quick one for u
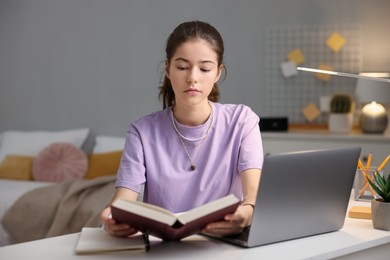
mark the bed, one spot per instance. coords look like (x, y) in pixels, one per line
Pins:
(54, 182)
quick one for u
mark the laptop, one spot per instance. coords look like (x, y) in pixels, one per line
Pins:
(300, 194)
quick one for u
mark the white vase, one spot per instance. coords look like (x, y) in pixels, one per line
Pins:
(380, 212)
(340, 123)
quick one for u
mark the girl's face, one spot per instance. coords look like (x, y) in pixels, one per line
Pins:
(193, 70)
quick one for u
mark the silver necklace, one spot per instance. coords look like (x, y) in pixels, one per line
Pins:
(193, 166)
(203, 138)
(195, 139)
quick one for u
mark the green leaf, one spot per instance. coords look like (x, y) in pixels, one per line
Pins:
(387, 189)
(376, 188)
(381, 185)
(380, 180)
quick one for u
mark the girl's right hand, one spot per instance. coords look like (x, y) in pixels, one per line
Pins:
(114, 228)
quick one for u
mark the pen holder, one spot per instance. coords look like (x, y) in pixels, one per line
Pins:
(362, 189)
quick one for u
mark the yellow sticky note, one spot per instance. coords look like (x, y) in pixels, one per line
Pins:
(296, 56)
(335, 41)
(322, 76)
(311, 112)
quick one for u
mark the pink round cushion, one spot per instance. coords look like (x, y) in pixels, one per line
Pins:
(59, 162)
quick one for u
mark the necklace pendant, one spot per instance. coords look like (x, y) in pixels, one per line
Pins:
(192, 168)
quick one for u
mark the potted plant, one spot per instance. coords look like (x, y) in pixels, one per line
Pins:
(341, 116)
(380, 207)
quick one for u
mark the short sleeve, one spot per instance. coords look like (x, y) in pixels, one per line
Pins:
(251, 150)
(131, 172)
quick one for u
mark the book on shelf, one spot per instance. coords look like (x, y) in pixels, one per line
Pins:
(96, 240)
(164, 224)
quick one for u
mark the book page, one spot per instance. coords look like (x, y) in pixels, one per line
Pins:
(188, 216)
(153, 207)
(146, 210)
(95, 240)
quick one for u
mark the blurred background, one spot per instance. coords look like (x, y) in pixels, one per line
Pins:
(98, 64)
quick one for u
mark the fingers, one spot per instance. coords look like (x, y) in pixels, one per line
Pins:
(232, 224)
(236, 218)
(105, 216)
(223, 228)
(114, 228)
(120, 230)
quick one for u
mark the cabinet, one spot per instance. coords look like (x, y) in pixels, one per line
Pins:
(298, 140)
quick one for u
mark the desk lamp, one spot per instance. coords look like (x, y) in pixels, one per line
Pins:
(372, 88)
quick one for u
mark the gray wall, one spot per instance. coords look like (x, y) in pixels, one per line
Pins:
(95, 63)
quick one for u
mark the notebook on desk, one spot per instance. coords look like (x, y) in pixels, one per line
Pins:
(300, 194)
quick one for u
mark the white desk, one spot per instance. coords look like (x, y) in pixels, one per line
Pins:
(356, 240)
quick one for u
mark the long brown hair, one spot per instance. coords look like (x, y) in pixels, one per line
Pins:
(185, 32)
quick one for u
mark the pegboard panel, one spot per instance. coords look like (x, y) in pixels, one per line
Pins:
(288, 96)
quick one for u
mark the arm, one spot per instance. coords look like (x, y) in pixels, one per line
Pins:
(112, 227)
(234, 223)
(250, 180)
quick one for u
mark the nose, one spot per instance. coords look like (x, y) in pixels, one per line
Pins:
(192, 77)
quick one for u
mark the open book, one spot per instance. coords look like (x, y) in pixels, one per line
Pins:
(96, 240)
(162, 223)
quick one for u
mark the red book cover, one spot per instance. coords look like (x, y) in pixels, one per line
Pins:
(148, 222)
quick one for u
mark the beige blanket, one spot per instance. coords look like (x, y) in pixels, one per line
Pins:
(58, 209)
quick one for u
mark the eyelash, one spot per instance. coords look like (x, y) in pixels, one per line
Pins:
(185, 68)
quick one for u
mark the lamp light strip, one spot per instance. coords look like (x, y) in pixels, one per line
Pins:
(350, 75)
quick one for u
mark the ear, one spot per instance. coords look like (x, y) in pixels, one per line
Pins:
(167, 69)
(220, 69)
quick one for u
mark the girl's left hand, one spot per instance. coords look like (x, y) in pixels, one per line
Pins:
(232, 223)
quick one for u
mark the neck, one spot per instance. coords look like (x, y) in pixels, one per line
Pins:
(192, 116)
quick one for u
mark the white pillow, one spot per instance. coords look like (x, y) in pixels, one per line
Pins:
(104, 144)
(30, 143)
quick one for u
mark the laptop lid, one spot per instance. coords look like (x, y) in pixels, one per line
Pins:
(301, 194)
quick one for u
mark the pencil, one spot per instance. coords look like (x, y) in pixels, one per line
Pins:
(368, 165)
(365, 182)
(383, 163)
(360, 165)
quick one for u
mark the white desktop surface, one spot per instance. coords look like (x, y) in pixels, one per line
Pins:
(356, 235)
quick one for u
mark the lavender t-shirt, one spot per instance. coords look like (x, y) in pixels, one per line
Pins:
(154, 155)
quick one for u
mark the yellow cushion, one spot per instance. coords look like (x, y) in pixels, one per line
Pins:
(16, 167)
(103, 164)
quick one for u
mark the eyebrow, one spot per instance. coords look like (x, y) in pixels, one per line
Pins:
(185, 60)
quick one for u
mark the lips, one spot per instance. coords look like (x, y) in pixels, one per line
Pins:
(192, 90)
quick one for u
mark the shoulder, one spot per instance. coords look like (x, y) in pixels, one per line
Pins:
(151, 121)
(238, 111)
